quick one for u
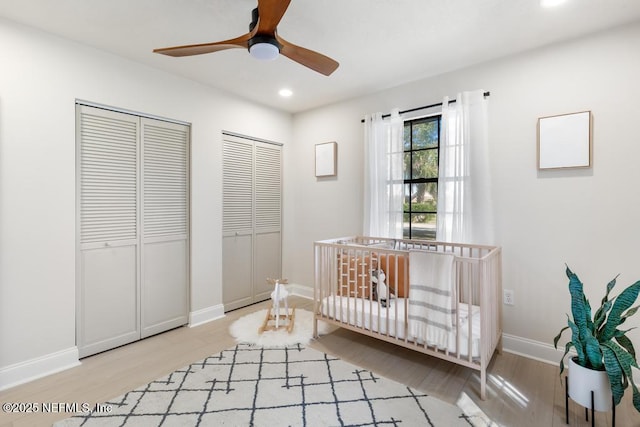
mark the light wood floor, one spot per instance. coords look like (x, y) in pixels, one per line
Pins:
(522, 392)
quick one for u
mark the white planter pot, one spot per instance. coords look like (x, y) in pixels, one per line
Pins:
(582, 381)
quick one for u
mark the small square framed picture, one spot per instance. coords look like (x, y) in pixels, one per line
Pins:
(327, 159)
(564, 141)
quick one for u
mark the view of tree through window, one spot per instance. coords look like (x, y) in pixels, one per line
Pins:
(421, 149)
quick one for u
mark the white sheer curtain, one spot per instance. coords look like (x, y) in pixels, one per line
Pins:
(464, 181)
(383, 195)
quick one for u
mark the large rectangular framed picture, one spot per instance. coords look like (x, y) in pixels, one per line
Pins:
(326, 159)
(564, 141)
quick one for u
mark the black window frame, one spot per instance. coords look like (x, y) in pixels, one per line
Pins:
(411, 181)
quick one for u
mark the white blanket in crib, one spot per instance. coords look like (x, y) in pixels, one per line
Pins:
(431, 297)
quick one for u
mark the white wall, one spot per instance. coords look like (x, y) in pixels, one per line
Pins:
(586, 218)
(40, 78)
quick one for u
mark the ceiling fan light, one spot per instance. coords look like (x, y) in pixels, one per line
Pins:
(264, 51)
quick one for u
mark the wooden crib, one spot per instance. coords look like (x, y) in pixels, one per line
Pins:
(345, 295)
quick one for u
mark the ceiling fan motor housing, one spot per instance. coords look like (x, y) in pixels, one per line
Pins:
(261, 39)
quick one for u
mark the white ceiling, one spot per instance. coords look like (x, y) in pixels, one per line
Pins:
(378, 43)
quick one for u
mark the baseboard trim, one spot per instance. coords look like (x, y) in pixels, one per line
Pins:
(206, 315)
(38, 367)
(300, 290)
(535, 350)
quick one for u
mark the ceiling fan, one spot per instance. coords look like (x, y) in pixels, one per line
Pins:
(262, 41)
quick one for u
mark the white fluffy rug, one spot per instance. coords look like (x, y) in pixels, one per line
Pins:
(245, 330)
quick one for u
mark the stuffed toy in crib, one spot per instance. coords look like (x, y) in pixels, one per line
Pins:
(379, 287)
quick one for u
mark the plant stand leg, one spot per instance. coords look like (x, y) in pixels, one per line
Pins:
(566, 398)
(593, 416)
(613, 416)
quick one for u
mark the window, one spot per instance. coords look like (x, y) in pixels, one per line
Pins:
(421, 152)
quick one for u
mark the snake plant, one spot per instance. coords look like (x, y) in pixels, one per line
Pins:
(598, 342)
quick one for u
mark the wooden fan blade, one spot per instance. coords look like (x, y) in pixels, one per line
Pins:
(199, 49)
(310, 59)
(270, 13)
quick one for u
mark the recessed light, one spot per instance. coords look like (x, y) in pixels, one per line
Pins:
(285, 93)
(551, 3)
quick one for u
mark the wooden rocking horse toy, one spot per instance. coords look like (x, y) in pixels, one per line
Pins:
(274, 319)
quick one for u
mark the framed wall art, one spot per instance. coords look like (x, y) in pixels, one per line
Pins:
(564, 141)
(327, 159)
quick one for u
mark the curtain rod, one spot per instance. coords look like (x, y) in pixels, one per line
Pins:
(384, 116)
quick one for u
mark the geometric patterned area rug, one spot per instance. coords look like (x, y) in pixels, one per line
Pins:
(256, 386)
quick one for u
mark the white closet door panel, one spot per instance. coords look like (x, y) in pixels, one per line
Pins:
(237, 187)
(268, 262)
(165, 289)
(268, 218)
(268, 187)
(108, 230)
(236, 271)
(165, 178)
(109, 299)
(108, 162)
(165, 224)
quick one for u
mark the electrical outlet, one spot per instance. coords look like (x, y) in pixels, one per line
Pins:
(507, 297)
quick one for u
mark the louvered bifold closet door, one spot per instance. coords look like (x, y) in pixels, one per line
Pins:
(165, 225)
(268, 217)
(237, 222)
(108, 229)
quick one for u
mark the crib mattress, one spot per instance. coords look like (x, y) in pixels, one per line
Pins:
(390, 321)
